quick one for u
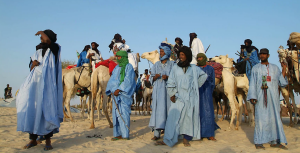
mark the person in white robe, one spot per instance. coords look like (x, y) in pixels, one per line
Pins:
(196, 47)
(94, 54)
(183, 87)
(263, 93)
(39, 101)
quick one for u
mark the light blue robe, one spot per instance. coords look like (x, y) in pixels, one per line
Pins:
(160, 100)
(268, 125)
(253, 58)
(39, 101)
(123, 100)
(183, 115)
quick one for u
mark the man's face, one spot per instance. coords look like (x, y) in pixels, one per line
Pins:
(264, 57)
(182, 57)
(119, 57)
(7, 85)
(42, 40)
(146, 71)
(93, 46)
(246, 43)
(177, 41)
(199, 58)
(141, 75)
(162, 52)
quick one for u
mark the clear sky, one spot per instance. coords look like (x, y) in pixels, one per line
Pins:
(224, 24)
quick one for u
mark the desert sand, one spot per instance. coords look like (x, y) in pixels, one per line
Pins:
(73, 137)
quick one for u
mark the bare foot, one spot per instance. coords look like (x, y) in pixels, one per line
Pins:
(159, 143)
(32, 143)
(48, 145)
(212, 138)
(186, 143)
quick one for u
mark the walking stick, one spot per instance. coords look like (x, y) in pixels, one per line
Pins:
(119, 111)
(207, 48)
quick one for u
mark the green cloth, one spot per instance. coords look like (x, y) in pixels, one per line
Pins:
(203, 61)
(122, 63)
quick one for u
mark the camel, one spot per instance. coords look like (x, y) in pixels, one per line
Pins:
(72, 79)
(229, 87)
(291, 59)
(100, 78)
(242, 85)
(153, 57)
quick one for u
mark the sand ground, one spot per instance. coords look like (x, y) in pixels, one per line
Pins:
(72, 137)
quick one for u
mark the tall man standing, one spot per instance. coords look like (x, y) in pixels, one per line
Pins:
(121, 86)
(39, 101)
(263, 93)
(196, 47)
(207, 118)
(160, 100)
(183, 87)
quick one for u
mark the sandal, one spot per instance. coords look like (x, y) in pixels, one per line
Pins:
(155, 138)
(160, 143)
(47, 148)
(279, 146)
(187, 144)
(29, 146)
(212, 138)
(115, 139)
(260, 146)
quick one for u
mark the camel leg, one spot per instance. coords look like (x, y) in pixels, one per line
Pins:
(225, 103)
(150, 101)
(88, 105)
(98, 104)
(68, 97)
(105, 100)
(83, 102)
(232, 101)
(295, 106)
(240, 99)
(285, 95)
(216, 107)
(65, 114)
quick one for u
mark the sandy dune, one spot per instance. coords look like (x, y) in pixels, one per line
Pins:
(72, 138)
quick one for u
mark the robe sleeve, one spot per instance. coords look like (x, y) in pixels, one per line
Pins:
(202, 76)
(282, 81)
(171, 83)
(254, 58)
(153, 73)
(79, 61)
(212, 78)
(252, 93)
(113, 82)
(127, 87)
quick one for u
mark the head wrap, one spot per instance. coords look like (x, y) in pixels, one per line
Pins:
(117, 38)
(192, 37)
(249, 48)
(86, 48)
(95, 49)
(167, 50)
(122, 63)
(203, 61)
(51, 35)
(179, 39)
(189, 57)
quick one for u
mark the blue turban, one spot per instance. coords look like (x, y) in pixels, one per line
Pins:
(167, 50)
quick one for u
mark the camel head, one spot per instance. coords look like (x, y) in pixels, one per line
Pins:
(153, 56)
(224, 60)
(282, 54)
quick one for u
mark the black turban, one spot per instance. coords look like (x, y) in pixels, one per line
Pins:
(180, 40)
(189, 56)
(118, 37)
(51, 35)
(86, 47)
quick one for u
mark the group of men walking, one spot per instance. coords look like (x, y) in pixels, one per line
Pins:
(182, 104)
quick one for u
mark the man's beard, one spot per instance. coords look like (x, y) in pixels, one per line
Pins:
(185, 63)
(263, 61)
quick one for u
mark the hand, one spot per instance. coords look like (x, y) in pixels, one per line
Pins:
(35, 63)
(164, 77)
(116, 93)
(157, 76)
(173, 99)
(246, 59)
(123, 41)
(38, 33)
(253, 101)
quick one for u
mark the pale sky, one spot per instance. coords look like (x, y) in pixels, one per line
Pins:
(143, 24)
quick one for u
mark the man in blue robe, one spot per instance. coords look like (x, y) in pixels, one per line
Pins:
(207, 118)
(121, 87)
(263, 93)
(183, 87)
(39, 101)
(249, 55)
(160, 100)
(82, 57)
